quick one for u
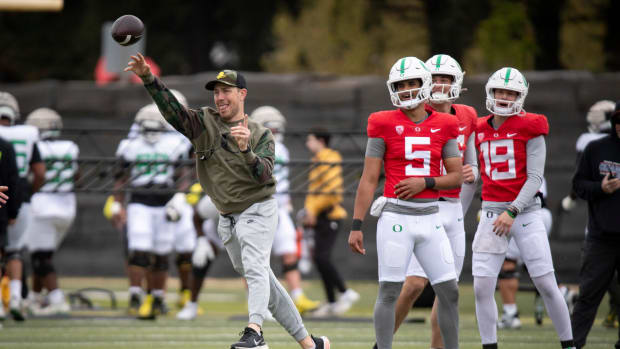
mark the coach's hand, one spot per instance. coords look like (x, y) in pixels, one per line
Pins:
(3, 196)
(609, 186)
(409, 187)
(468, 174)
(502, 224)
(356, 241)
(138, 65)
(242, 134)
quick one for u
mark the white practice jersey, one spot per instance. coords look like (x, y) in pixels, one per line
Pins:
(280, 173)
(60, 165)
(24, 139)
(585, 138)
(146, 171)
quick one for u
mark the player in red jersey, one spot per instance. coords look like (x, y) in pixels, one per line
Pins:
(453, 204)
(411, 143)
(511, 148)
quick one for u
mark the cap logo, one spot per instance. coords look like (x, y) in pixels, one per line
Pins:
(221, 75)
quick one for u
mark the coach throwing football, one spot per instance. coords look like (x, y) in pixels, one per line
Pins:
(234, 162)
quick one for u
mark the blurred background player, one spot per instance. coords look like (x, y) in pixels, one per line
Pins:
(150, 233)
(596, 180)
(53, 211)
(9, 203)
(23, 138)
(512, 154)
(324, 213)
(208, 247)
(453, 204)
(599, 126)
(508, 278)
(285, 244)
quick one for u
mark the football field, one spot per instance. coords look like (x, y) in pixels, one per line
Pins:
(225, 312)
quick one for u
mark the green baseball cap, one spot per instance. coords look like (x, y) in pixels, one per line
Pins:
(228, 77)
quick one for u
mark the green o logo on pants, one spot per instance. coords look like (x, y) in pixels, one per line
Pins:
(397, 228)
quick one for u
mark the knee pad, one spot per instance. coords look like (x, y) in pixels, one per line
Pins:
(42, 263)
(160, 262)
(289, 267)
(201, 273)
(508, 274)
(139, 259)
(184, 261)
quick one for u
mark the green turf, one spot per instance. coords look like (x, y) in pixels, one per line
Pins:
(223, 299)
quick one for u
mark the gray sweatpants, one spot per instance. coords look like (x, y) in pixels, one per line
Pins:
(248, 237)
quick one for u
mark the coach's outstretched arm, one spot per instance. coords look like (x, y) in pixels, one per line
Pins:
(185, 120)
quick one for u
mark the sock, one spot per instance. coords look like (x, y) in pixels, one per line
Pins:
(385, 312)
(448, 312)
(486, 309)
(555, 304)
(296, 293)
(56, 296)
(158, 293)
(135, 290)
(510, 309)
(16, 289)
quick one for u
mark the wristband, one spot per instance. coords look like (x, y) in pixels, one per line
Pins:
(429, 182)
(356, 224)
(512, 212)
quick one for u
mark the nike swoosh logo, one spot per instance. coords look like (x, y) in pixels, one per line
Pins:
(460, 219)
(462, 128)
(525, 225)
(437, 226)
(256, 343)
(435, 130)
(511, 135)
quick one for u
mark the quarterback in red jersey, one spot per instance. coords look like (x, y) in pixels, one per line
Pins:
(411, 143)
(453, 204)
(512, 151)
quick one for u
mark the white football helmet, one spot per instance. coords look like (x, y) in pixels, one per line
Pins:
(180, 97)
(507, 79)
(598, 116)
(47, 121)
(445, 65)
(409, 68)
(9, 108)
(270, 118)
(151, 123)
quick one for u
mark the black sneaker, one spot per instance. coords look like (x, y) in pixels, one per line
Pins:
(321, 342)
(251, 339)
(159, 306)
(134, 304)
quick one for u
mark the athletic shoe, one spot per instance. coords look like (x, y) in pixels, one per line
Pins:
(511, 322)
(305, 304)
(146, 309)
(539, 309)
(15, 308)
(250, 339)
(189, 312)
(321, 342)
(185, 296)
(346, 301)
(325, 310)
(62, 308)
(134, 304)
(159, 306)
(611, 320)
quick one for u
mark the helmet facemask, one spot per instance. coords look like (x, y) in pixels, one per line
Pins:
(447, 66)
(406, 69)
(506, 79)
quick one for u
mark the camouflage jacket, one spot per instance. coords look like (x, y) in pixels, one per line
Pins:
(232, 179)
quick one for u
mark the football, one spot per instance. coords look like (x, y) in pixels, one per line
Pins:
(127, 30)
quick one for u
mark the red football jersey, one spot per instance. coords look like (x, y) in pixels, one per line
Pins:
(467, 118)
(411, 150)
(502, 154)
